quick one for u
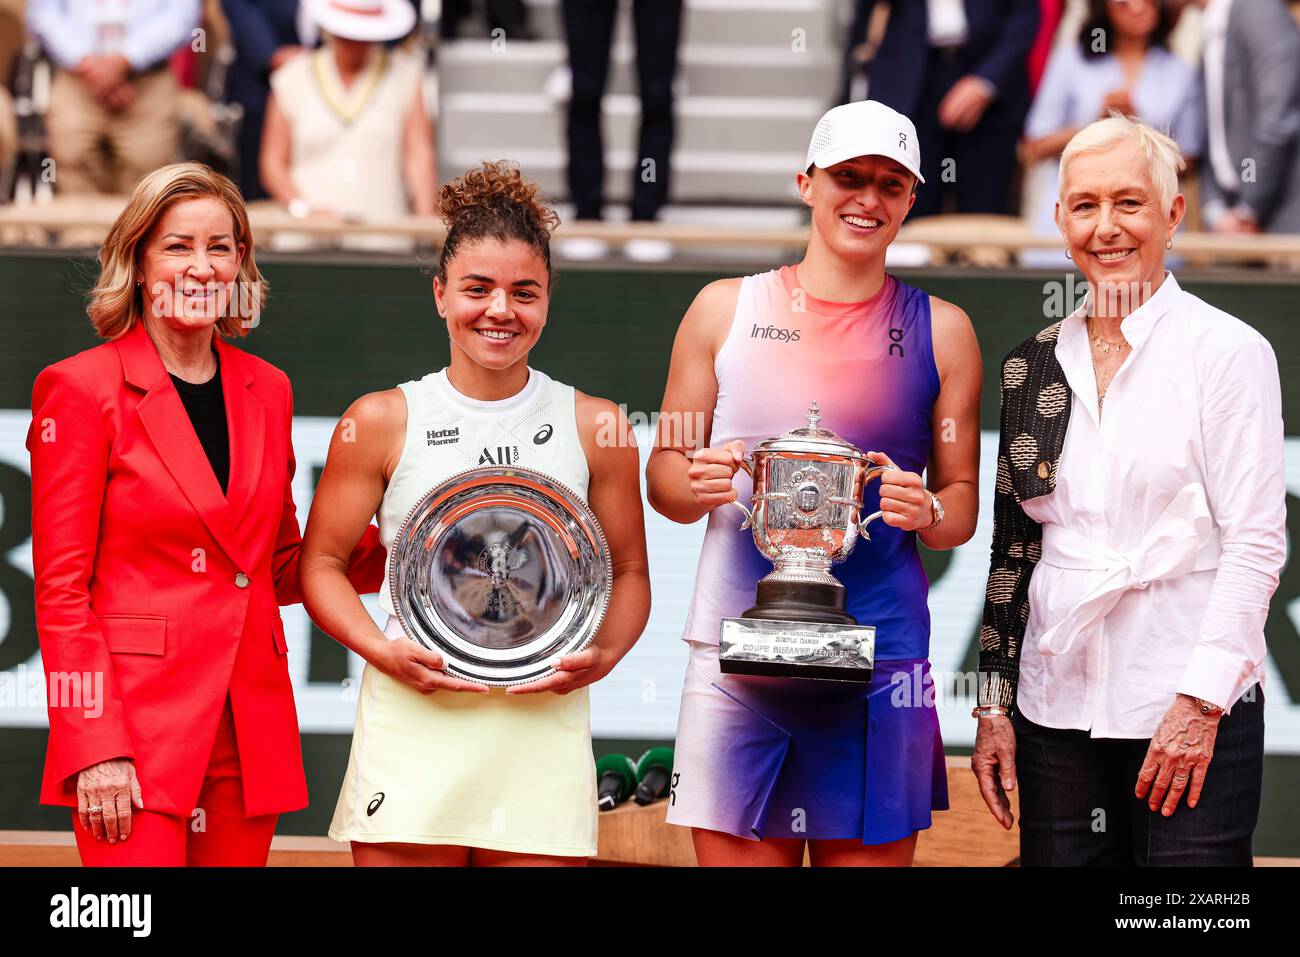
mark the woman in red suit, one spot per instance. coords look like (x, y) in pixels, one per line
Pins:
(164, 538)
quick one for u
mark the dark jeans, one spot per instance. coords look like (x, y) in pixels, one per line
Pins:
(250, 151)
(983, 159)
(509, 15)
(1077, 806)
(589, 28)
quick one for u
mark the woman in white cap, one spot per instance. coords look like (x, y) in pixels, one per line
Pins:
(765, 766)
(346, 134)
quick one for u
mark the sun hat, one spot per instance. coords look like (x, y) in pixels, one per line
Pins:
(368, 20)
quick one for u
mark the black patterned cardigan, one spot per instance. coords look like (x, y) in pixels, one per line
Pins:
(1036, 403)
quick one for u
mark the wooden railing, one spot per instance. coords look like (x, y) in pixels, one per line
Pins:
(85, 220)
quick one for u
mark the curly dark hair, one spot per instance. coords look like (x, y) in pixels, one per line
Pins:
(1098, 18)
(494, 201)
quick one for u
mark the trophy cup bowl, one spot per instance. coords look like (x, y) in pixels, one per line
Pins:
(500, 571)
(806, 515)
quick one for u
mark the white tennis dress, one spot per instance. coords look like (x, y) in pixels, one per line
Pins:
(504, 772)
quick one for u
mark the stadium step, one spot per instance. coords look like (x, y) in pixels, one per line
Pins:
(709, 124)
(698, 176)
(765, 22)
(704, 69)
(753, 77)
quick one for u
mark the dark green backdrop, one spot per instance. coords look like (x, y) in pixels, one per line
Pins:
(342, 329)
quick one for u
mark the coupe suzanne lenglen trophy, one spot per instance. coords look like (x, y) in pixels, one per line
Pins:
(805, 515)
(500, 571)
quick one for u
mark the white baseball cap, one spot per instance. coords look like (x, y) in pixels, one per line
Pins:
(864, 128)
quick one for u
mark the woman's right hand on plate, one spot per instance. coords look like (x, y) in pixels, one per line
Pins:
(420, 668)
(711, 473)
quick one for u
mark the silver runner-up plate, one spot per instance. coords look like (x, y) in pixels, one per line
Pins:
(500, 571)
(797, 649)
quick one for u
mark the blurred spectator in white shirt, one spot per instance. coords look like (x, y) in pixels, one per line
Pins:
(113, 112)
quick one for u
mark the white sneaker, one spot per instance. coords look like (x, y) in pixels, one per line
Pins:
(582, 249)
(649, 250)
(559, 84)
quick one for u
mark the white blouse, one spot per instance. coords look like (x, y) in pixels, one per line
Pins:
(1165, 535)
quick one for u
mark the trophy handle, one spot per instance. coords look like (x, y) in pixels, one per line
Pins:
(749, 516)
(862, 525)
(874, 472)
(746, 463)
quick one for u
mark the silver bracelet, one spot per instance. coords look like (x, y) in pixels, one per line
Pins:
(989, 710)
(936, 512)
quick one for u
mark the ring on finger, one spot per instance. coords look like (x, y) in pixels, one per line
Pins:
(97, 809)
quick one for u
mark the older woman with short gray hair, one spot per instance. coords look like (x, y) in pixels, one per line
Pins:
(1139, 530)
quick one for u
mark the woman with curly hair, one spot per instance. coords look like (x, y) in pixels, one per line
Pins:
(444, 771)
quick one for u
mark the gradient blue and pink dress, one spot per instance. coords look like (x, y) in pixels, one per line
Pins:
(797, 758)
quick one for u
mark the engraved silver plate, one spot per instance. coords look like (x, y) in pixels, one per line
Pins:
(797, 649)
(500, 571)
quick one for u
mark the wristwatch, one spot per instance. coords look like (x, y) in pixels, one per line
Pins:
(937, 506)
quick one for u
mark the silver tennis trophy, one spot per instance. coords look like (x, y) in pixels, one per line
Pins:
(805, 516)
(500, 571)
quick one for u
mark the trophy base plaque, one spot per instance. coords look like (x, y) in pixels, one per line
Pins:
(775, 648)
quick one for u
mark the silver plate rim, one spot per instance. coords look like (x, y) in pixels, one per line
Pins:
(502, 472)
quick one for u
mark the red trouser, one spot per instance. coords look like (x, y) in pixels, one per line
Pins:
(219, 837)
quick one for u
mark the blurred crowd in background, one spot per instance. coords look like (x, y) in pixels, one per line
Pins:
(330, 109)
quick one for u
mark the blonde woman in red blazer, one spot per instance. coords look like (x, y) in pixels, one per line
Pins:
(162, 549)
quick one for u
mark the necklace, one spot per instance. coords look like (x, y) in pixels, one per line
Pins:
(358, 96)
(1104, 375)
(1104, 345)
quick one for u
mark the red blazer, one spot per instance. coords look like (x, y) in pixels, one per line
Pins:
(147, 575)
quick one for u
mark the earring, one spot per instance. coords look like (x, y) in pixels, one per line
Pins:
(1169, 243)
(1067, 254)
